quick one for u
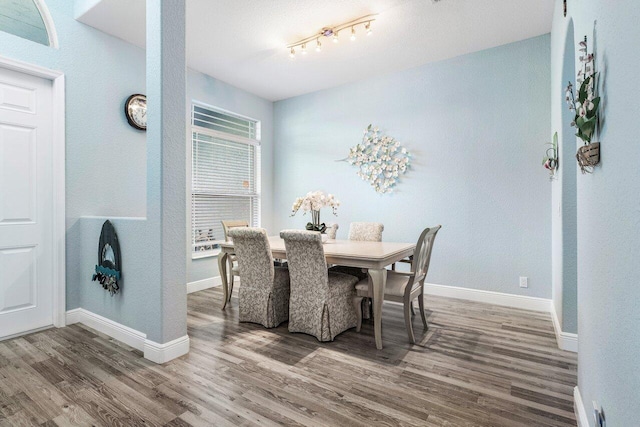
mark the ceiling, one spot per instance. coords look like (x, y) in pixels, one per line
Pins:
(242, 42)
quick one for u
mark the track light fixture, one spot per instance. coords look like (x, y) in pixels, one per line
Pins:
(333, 33)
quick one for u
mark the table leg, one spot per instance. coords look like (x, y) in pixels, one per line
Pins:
(379, 281)
(222, 268)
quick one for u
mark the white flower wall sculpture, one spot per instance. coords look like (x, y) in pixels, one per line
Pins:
(380, 160)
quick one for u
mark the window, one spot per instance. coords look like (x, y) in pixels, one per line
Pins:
(225, 175)
(28, 19)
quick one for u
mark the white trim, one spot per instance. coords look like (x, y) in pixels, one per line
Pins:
(578, 408)
(203, 284)
(162, 353)
(566, 340)
(131, 337)
(21, 334)
(158, 353)
(489, 297)
(52, 34)
(58, 153)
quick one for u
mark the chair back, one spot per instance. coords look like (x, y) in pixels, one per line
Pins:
(307, 265)
(255, 261)
(422, 253)
(366, 231)
(229, 224)
(332, 231)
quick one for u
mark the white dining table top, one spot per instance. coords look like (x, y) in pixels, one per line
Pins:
(356, 252)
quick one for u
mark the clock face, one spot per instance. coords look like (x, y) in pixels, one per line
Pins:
(136, 111)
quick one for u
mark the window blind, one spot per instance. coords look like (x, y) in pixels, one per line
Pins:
(225, 184)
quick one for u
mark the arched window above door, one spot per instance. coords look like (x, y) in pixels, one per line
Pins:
(28, 19)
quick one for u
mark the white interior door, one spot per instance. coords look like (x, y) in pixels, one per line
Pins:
(26, 203)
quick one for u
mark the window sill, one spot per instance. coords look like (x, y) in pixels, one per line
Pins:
(205, 254)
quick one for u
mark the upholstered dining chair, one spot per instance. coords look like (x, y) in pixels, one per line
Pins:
(264, 289)
(405, 287)
(322, 303)
(363, 232)
(366, 231)
(332, 231)
(232, 265)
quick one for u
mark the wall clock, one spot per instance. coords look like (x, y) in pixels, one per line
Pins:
(135, 109)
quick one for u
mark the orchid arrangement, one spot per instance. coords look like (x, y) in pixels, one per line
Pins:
(313, 202)
(380, 160)
(584, 101)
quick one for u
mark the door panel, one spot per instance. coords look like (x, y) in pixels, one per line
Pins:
(17, 98)
(26, 203)
(17, 174)
(18, 268)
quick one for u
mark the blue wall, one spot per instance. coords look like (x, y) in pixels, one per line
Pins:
(476, 126)
(106, 160)
(608, 205)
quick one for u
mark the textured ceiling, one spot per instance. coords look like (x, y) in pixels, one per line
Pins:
(242, 42)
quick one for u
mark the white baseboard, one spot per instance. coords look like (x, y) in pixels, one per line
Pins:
(489, 297)
(566, 340)
(203, 284)
(158, 353)
(578, 408)
(162, 353)
(115, 330)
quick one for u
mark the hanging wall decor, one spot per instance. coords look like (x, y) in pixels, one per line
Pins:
(584, 103)
(380, 160)
(108, 272)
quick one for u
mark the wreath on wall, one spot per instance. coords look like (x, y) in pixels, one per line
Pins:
(109, 267)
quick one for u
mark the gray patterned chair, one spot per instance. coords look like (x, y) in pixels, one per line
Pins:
(362, 232)
(406, 287)
(366, 231)
(322, 303)
(264, 289)
(232, 260)
(332, 231)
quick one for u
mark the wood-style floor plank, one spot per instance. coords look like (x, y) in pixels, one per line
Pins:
(477, 365)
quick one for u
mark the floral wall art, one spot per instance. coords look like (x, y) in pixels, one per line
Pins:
(380, 160)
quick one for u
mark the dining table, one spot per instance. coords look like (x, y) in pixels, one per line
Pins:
(372, 256)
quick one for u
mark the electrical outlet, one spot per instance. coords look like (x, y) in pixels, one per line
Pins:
(524, 282)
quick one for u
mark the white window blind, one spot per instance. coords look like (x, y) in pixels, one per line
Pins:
(225, 171)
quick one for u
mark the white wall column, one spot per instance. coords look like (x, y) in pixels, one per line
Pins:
(166, 174)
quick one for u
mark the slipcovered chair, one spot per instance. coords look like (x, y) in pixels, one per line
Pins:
(366, 231)
(332, 231)
(264, 289)
(232, 265)
(322, 303)
(362, 232)
(405, 287)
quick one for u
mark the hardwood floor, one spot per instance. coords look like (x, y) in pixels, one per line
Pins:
(478, 365)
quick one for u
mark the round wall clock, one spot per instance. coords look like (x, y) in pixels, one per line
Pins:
(135, 109)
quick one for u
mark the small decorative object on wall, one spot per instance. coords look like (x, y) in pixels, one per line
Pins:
(109, 269)
(135, 109)
(550, 160)
(585, 103)
(313, 202)
(565, 8)
(380, 160)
